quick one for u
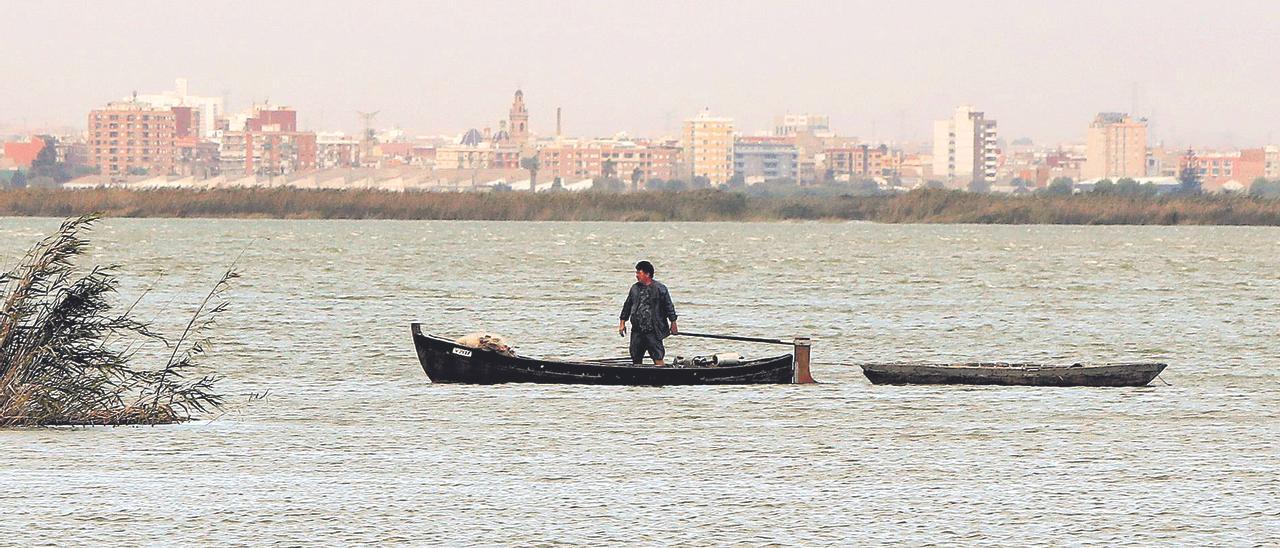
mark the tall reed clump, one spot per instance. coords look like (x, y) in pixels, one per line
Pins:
(66, 355)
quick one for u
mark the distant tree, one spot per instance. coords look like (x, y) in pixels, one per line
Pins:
(1061, 186)
(1263, 188)
(1104, 186)
(737, 181)
(654, 184)
(864, 187)
(46, 162)
(700, 182)
(935, 184)
(609, 169)
(502, 187)
(1128, 187)
(48, 155)
(979, 185)
(607, 184)
(1189, 176)
(531, 164)
(636, 175)
(557, 184)
(19, 180)
(676, 185)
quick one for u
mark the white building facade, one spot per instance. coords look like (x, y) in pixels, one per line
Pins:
(211, 108)
(965, 148)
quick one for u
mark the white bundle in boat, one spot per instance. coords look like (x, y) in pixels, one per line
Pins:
(488, 341)
(727, 359)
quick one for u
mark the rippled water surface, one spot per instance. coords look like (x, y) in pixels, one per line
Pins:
(354, 445)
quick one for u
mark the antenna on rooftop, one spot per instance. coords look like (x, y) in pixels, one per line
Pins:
(368, 117)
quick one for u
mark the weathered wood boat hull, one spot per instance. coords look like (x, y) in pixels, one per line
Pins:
(445, 361)
(1117, 374)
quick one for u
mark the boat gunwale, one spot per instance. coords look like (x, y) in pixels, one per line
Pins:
(1012, 366)
(746, 365)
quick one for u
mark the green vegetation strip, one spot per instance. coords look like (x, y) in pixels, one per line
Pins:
(919, 206)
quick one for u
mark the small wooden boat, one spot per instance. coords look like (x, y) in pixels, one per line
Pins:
(446, 361)
(1021, 374)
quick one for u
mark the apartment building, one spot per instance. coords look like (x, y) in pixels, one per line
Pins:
(707, 142)
(965, 148)
(132, 138)
(759, 159)
(573, 160)
(1116, 146)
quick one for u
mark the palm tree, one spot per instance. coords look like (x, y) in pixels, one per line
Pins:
(531, 164)
(1189, 180)
(609, 169)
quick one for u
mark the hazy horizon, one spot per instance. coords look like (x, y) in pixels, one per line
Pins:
(880, 71)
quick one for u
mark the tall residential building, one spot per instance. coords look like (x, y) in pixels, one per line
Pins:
(759, 159)
(1116, 147)
(965, 148)
(210, 108)
(708, 147)
(132, 138)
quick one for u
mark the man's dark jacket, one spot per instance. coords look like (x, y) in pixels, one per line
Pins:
(664, 310)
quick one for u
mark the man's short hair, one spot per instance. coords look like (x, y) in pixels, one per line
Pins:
(646, 267)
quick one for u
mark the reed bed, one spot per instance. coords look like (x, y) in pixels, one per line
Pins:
(66, 354)
(920, 206)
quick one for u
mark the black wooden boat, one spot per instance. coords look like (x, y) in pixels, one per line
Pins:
(446, 361)
(1019, 374)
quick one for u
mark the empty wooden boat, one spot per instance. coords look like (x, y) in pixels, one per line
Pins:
(1019, 374)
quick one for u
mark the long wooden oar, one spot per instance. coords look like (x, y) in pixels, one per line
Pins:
(735, 338)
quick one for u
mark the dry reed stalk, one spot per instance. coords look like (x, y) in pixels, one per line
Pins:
(60, 361)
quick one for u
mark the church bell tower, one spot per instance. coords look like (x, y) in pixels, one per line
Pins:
(519, 126)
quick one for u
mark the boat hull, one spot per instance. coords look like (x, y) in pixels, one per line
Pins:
(445, 361)
(1119, 374)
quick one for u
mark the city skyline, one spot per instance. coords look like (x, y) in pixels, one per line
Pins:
(432, 70)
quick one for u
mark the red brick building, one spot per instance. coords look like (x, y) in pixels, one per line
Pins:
(573, 161)
(1219, 168)
(186, 122)
(23, 153)
(131, 138)
(269, 144)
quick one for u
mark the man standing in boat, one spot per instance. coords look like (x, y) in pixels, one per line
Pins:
(649, 308)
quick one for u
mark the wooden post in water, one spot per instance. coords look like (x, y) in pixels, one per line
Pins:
(802, 375)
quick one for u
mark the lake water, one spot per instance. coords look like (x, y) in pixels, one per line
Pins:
(353, 444)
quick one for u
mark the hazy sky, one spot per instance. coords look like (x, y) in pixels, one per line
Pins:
(1206, 73)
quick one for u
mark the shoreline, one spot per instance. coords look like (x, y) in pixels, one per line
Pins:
(916, 207)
